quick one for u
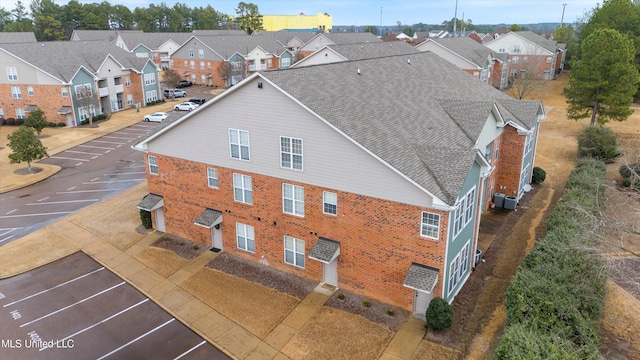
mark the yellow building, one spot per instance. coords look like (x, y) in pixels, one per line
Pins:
(299, 22)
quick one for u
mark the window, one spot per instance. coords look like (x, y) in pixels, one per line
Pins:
(269, 63)
(129, 99)
(201, 53)
(291, 153)
(201, 65)
(149, 79)
(487, 151)
(127, 80)
(516, 48)
(193, 64)
(285, 62)
(212, 177)
(525, 59)
(203, 79)
(329, 203)
(208, 64)
(30, 91)
(294, 251)
(463, 213)
(20, 114)
(236, 66)
(430, 225)
(1, 113)
(83, 91)
(84, 111)
(153, 165)
(548, 59)
(458, 267)
(528, 144)
(496, 150)
(470, 204)
(242, 188)
(515, 59)
(239, 141)
(151, 95)
(501, 49)
(245, 237)
(186, 62)
(15, 92)
(190, 53)
(12, 74)
(484, 75)
(155, 56)
(293, 199)
(64, 91)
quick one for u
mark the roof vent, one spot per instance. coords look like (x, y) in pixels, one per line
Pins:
(358, 71)
(409, 61)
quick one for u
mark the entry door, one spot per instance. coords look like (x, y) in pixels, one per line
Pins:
(160, 220)
(216, 238)
(330, 273)
(421, 303)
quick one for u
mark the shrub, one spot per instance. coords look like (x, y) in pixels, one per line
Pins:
(439, 314)
(539, 175)
(629, 170)
(196, 247)
(19, 122)
(626, 182)
(62, 124)
(52, 124)
(145, 217)
(390, 312)
(598, 142)
(341, 296)
(100, 117)
(366, 303)
(11, 121)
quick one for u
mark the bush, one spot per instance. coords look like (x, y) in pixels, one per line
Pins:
(598, 142)
(439, 314)
(19, 122)
(84, 122)
(100, 117)
(539, 175)
(52, 124)
(629, 170)
(145, 217)
(62, 124)
(366, 303)
(11, 121)
(626, 182)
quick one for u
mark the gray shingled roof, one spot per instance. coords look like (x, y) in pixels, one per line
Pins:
(550, 45)
(62, 59)
(373, 50)
(17, 37)
(219, 32)
(466, 47)
(352, 38)
(226, 46)
(209, 218)
(153, 40)
(422, 118)
(421, 277)
(285, 36)
(325, 250)
(92, 35)
(150, 202)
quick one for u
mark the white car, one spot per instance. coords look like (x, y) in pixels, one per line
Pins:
(156, 117)
(186, 106)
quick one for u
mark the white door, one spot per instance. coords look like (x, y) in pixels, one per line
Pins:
(330, 273)
(216, 238)
(421, 303)
(160, 220)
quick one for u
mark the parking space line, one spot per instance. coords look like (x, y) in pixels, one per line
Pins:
(38, 214)
(108, 142)
(112, 181)
(63, 202)
(96, 147)
(118, 137)
(72, 305)
(67, 158)
(127, 173)
(7, 238)
(101, 322)
(190, 350)
(82, 152)
(82, 191)
(55, 287)
(136, 339)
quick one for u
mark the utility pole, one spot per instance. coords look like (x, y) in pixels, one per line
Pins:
(455, 19)
(380, 21)
(562, 19)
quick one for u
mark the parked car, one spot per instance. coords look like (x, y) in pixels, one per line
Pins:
(174, 93)
(186, 106)
(183, 84)
(198, 101)
(156, 117)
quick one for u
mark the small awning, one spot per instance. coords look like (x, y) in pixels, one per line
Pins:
(209, 218)
(421, 277)
(325, 250)
(30, 108)
(65, 110)
(208, 75)
(151, 202)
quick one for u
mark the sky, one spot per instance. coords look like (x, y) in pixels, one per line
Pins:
(389, 12)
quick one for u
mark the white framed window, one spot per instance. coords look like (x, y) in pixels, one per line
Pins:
(239, 143)
(64, 91)
(294, 251)
(1, 113)
(15, 92)
(459, 267)
(525, 59)
(12, 73)
(269, 63)
(151, 95)
(129, 99)
(201, 53)
(208, 64)
(515, 59)
(30, 91)
(201, 65)
(149, 79)
(155, 56)
(236, 65)
(153, 165)
(290, 153)
(20, 113)
(516, 48)
(245, 239)
(212, 178)
(186, 62)
(293, 199)
(496, 149)
(528, 144)
(285, 62)
(458, 219)
(83, 91)
(329, 203)
(190, 53)
(242, 190)
(484, 75)
(430, 226)
(548, 59)
(470, 205)
(127, 79)
(454, 267)
(488, 151)
(193, 78)
(524, 176)
(501, 49)
(84, 111)
(235, 79)
(192, 64)
(463, 213)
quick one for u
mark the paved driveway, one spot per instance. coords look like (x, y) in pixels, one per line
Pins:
(76, 309)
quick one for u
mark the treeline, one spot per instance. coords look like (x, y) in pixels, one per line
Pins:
(50, 21)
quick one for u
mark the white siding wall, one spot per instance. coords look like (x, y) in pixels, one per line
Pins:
(489, 132)
(330, 159)
(26, 74)
(325, 56)
(447, 55)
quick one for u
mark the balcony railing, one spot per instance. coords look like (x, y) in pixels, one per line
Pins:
(119, 88)
(104, 91)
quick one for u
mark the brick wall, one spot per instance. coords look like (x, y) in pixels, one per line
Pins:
(379, 239)
(511, 153)
(47, 97)
(218, 74)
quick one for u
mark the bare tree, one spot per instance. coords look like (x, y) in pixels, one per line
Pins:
(526, 73)
(87, 101)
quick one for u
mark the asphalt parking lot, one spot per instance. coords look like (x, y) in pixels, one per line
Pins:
(74, 308)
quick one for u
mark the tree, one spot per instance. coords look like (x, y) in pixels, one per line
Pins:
(515, 27)
(370, 29)
(36, 120)
(49, 29)
(86, 98)
(603, 80)
(19, 12)
(249, 18)
(26, 146)
(408, 31)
